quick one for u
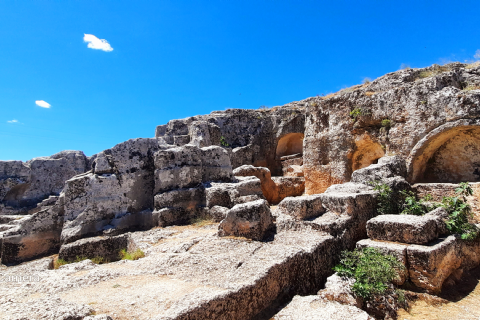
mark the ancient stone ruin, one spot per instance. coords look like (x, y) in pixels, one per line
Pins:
(242, 214)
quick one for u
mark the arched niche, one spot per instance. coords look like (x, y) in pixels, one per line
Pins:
(366, 152)
(449, 154)
(291, 143)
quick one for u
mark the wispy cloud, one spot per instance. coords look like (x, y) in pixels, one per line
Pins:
(12, 121)
(42, 104)
(477, 54)
(95, 43)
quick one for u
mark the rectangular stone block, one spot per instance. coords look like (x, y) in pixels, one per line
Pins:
(430, 266)
(178, 177)
(403, 228)
(105, 247)
(181, 198)
(302, 207)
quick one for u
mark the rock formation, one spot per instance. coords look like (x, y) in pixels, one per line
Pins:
(222, 174)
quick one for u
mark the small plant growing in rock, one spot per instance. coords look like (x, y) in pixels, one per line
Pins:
(372, 270)
(57, 263)
(137, 254)
(413, 206)
(459, 212)
(223, 142)
(386, 123)
(387, 204)
(355, 113)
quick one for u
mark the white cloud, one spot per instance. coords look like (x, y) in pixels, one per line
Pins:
(95, 43)
(477, 54)
(12, 121)
(42, 104)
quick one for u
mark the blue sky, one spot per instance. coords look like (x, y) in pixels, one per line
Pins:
(174, 59)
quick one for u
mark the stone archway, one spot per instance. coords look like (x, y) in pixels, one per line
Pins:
(366, 152)
(289, 144)
(448, 154)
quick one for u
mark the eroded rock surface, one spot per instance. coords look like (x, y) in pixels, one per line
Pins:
(401, 113)
(403, 228)
(251, 220)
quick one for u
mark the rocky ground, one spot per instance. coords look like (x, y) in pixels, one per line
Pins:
(462, 302)
(414, 129)
(185, 269)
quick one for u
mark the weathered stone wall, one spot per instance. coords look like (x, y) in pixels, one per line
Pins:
(413, 113)
(26, 184)
(250, 136)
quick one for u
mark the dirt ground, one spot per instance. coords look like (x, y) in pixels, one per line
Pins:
(463, 297)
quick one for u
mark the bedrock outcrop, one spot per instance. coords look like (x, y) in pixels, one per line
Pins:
(427, 116)
(252, 137)
(24, 184)
(417, 126)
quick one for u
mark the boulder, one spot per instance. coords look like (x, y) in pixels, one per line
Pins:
(171, 216)
(275, 189)
(251, 220)
(218, 213)
(386, 167)
(204, 134)
(351, 200)
(403, 228)
(339, 289)
(12, 174)
(287, 187)
(229, 194)
(268, 186)
(302, 207)
(104, 247)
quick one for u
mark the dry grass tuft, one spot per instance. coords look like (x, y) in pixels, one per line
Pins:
(202, 222)
(470, 88)
(369, 93)
(432, 72)
(473, 65)
(330, 95)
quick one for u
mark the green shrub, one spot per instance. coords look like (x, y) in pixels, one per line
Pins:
(459, 212)
(372, 270)
(137, 254)
(413, 206)
(387, 202)
(223, 142)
